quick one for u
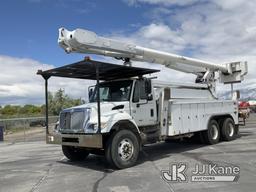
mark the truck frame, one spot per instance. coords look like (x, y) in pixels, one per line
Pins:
(129, 108)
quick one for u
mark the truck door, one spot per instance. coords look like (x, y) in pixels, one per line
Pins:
(164, 111)
(143, 105)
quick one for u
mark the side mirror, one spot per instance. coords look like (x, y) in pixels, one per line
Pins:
(90, 92)
(236, 95)
(148, 88)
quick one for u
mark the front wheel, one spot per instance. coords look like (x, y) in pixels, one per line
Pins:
(122, 149)
(74, 153)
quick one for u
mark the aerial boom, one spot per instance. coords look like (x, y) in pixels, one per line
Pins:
(84, 41)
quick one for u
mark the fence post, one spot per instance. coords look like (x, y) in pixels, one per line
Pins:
(1, 132)
(24, 129)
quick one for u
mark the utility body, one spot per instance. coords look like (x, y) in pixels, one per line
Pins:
(127, 108)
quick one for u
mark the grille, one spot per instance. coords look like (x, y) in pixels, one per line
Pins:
(72, 121)
(65, 119)
(77, 120)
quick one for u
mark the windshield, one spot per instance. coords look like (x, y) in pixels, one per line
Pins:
(113, 91)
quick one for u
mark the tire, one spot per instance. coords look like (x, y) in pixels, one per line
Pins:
(122, 149)
(74, 153)
(228, 130)
(212, 134)
(107, 150)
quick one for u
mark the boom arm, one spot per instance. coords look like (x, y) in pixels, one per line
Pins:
(83, 41)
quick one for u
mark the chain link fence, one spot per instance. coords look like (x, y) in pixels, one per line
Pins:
(25, 129)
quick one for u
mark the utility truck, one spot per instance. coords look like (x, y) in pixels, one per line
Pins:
(128, 108)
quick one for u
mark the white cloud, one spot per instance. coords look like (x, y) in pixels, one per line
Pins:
(19, 83)
(162, 2)
(227, 4)
(224, 4)
(215, 30)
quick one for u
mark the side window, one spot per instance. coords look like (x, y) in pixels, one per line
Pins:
(136, 93)
(143, 94)
(104, 92)
(139, 91)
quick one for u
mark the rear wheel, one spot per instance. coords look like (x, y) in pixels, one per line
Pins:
(212, 134)
(122, 149)
(228, 130)
(75, 153)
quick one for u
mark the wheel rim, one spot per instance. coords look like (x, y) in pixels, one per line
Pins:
(125, 149)
(214, 132)
(230, 129)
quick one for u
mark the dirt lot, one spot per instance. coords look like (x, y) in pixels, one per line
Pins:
(35, 166)
(27, 134)
(34, 134)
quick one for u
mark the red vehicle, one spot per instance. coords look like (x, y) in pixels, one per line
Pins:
(244, 110)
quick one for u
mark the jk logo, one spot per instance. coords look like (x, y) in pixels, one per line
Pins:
(176, 173)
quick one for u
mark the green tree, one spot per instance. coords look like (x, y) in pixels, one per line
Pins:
(10, 110)
(60, 101)
(57, 102)
(30, 110)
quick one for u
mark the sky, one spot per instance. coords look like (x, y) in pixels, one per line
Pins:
(214, 30)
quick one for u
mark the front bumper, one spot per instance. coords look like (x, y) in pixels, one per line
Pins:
(78, 140)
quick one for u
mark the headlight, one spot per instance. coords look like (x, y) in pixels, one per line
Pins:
(93, 127)
(57, 126)
(104, 125)
(90, 128)
(87, 116)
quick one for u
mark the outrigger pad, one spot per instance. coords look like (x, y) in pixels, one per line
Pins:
(86, 69)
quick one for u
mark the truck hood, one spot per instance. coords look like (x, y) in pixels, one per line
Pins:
(105, 107)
